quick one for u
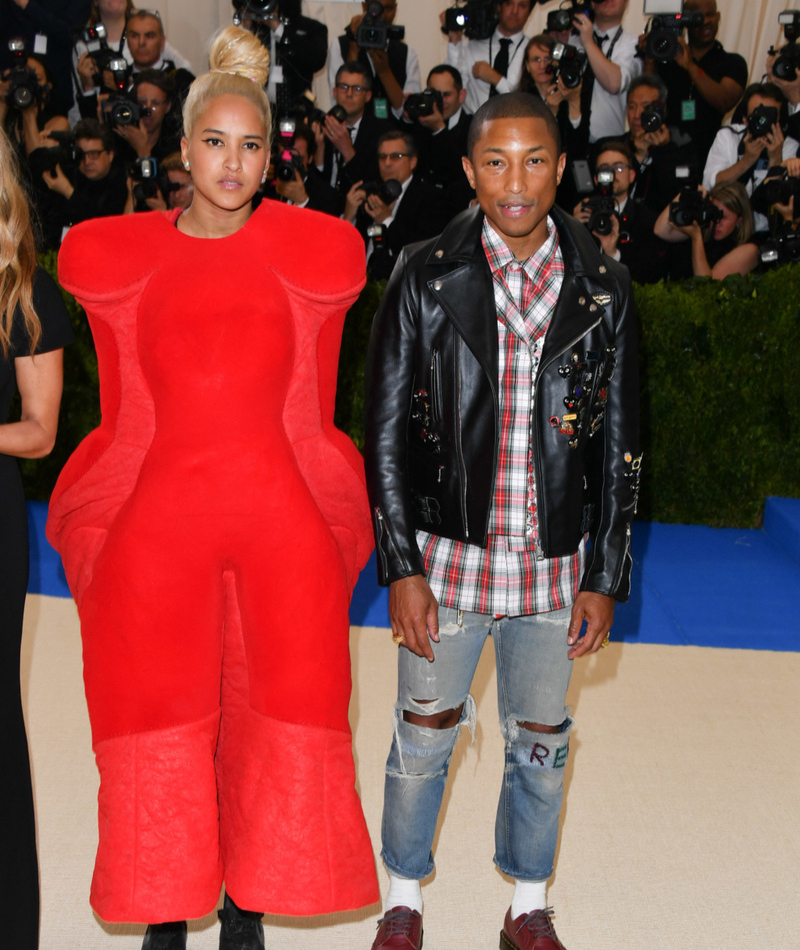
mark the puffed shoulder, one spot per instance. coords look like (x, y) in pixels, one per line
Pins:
(321, 256)
(101, 258)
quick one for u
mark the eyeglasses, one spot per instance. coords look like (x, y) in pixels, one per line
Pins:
(618, 168)
(540, 59)
(346, 87)
(393, 156)
(92, 153)
(153, 13)
(150, 103)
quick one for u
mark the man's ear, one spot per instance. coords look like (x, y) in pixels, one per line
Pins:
(469, 171)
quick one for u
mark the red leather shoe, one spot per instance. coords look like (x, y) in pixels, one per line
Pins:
(534, 931)
(399, 929)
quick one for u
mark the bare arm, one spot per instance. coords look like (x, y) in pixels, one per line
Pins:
(39, 380)
(741, 260)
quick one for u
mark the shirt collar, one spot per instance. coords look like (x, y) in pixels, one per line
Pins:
(499, 255)
(501, 36)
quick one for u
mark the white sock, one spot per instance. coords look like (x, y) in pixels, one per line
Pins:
(403, 893)
(528, 896)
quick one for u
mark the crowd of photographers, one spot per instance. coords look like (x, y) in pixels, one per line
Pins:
(91, 93)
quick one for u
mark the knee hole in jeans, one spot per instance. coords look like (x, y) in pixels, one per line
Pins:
(539, 727)
(440, 720)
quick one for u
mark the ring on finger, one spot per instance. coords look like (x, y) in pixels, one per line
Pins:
(398, 638)
(605, 642)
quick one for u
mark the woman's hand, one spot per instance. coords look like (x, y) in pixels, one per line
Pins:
(39, 381)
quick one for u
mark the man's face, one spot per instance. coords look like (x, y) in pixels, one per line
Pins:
(515, 169)
(451, 97)
(514, 15)
(394, 161)
(96, 160)
(145, 39)
(706, 34)
(151, 97)
(351, 94)
(181, 197)
(389, 10)
(301, 147)
(610, 9)
(638, 101)
(623, 173)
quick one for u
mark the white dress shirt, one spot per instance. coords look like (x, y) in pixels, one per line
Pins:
(412, 83)
(608, 109)
(465, 54)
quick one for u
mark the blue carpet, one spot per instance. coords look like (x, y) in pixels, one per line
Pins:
(692, 585)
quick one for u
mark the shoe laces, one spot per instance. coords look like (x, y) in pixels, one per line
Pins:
(539, 923)
(399, 921)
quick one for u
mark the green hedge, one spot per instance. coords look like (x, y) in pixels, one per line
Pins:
(721, 404)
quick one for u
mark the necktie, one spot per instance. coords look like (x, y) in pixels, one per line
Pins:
(599, 39)
(338, 162)
(500, 63)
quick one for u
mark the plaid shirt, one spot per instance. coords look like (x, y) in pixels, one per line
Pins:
(510, 576)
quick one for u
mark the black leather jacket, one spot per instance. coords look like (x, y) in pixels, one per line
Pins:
(432, 405)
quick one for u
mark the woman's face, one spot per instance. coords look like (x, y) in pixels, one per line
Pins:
(537, 61)
(227, 152)
(727, 223)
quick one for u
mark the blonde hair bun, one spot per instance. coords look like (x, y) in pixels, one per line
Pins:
(239, 53)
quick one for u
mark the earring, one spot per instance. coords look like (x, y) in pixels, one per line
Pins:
(264, 177)
(186, 166)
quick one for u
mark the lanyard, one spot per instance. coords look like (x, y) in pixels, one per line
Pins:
(511, 57)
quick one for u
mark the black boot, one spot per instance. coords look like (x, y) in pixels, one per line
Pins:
(241, 929)
(171, 936)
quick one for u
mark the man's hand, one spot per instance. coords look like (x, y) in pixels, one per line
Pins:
(585, 28)
(753, 147)
(792, 166)
(482, 70)
(598, 612)
(57, 181)
(136, 137)
(454, 36)
(87, 70)
(775, 142)
(339, 136)
(609, 241)
(581, 213)
(377, 210)
(414, 614)
(660, 137)
(683, 57)
(435, 121)
(355, 198)
(294, 191)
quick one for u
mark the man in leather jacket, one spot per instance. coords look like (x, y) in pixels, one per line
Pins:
(502, 429)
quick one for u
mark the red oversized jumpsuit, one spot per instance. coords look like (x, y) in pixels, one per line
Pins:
(212, 528)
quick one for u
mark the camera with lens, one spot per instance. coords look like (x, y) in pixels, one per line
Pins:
(475, 19)
(568, 64)
(787, 65)
(424, 103)
(388, 191)
(664, 30)
(304, 109)
(95, 39)
(24, 89)
(761, 120)
(652, 117)
(256, 10)
(374, 32)
(560, 20)
(783, 247)
(144, 174)
(693, 206)
(287, 161)
(781, 189)
(120, 109)
(65, 154)
(601, 203)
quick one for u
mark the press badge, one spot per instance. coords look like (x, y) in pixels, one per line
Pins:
(688, 110)
(277, 74)
(40, 45)
(381, 109)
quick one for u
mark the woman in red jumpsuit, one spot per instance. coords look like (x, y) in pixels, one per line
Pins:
(212, 529)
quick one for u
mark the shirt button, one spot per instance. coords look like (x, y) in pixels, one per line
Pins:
(439, 253)
(437, 285)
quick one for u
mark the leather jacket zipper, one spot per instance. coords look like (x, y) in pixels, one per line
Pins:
(459, 448)
(436, 393)
(382, 526)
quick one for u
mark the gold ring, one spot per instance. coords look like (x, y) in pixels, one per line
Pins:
(398, 637)
(605, 642)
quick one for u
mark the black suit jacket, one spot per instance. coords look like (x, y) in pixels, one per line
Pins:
(440, 162)
(644, 254)
(363, 166)
(301, 52)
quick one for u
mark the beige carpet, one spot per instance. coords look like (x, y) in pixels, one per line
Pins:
(681, 828)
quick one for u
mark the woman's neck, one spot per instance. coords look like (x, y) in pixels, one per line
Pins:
(115, 27)
(205, 220)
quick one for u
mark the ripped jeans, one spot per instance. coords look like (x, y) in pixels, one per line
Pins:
(533, 674)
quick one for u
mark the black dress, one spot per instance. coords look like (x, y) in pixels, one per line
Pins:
(19, 881)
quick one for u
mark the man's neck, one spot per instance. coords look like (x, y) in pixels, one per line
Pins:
(526, 245)
(603, 24)
(504, 31)
(698, 51)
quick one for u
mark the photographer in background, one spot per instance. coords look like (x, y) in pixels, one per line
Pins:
(394, 70)
(626, 234)
(440, 130)
(612, 66)
(298, 47)
(494, 65)
(153, 92)
(307, 189)
(27, 126)
(181, 189)
(721, 248)
(704, 81)
(657, 148)
(744, 151)
(98, 187)
(387, 226)
(46, 27)
(348, 154)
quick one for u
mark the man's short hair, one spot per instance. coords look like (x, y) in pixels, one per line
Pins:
(302, 131)
(767, 90)
(141, 14)
(359, 69)
(156, 77)
(614, 145)
(92, 129)
(446, 69)
(409, 145)
(652, 82)
(512, 105)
